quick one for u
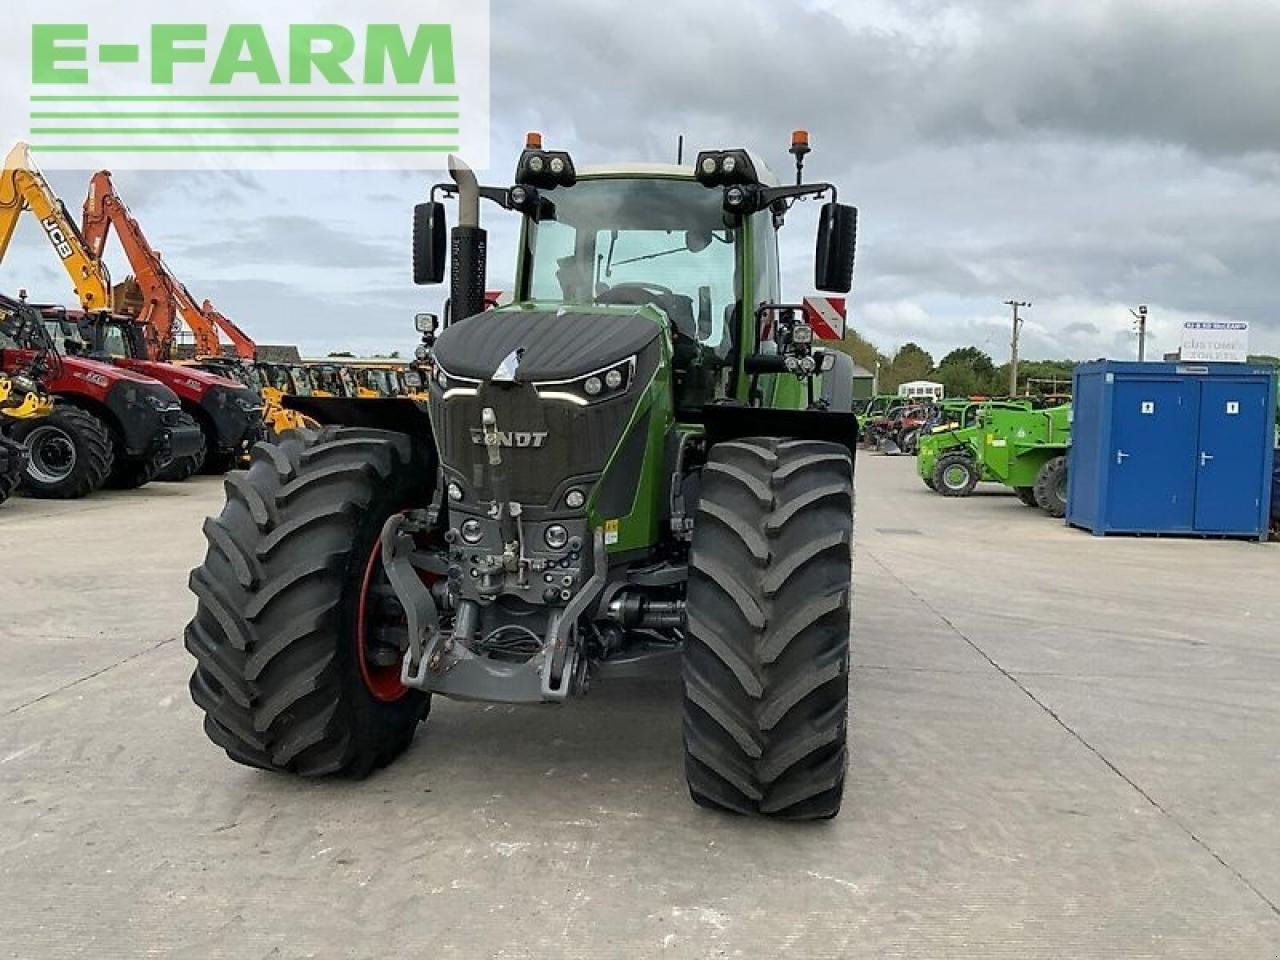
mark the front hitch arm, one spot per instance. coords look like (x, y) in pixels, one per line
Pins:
(420, 610)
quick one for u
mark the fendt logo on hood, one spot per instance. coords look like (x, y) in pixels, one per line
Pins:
(512, 438)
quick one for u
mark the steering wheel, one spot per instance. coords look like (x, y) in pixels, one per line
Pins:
(650, 290)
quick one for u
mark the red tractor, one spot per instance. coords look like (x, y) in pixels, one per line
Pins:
(226, 414)
(111, 426)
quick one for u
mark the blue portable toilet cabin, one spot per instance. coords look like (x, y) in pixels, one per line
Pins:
(1177, 448)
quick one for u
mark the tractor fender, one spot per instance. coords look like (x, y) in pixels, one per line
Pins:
(727, 421)
(837, 383)
(398, 414)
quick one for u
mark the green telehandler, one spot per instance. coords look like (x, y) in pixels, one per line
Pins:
(631, 463)
(1023, 448)
(955, 440)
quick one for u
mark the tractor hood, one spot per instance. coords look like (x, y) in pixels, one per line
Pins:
(554, 343)
(192, 378)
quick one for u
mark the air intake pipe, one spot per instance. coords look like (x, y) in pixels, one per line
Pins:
(469, 245)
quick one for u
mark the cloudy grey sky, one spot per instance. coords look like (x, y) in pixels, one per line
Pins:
(1087, 156)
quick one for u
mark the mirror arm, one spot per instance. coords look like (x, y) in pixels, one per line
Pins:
(498, 195)
(771, 195)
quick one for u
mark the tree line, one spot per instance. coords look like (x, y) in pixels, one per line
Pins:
(966, 371)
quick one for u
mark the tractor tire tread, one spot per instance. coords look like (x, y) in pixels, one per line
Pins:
(276, 672)
(766, 663)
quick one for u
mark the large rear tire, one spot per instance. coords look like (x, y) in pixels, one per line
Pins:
(955, 475)
(184, 468)
(1051, 488)
(1027, 495)
(766, 662)
(69, 454)
(280, 672)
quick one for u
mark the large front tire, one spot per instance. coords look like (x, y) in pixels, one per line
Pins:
(13, 462)
(179, 469)
(282, 591)
(766, 663)
(955, 475)
(1051, 488)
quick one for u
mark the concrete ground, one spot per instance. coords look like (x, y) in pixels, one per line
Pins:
(1062, 747)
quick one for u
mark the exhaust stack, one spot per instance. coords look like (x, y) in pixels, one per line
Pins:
(469, 245)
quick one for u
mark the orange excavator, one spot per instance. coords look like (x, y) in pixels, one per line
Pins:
(164, 304)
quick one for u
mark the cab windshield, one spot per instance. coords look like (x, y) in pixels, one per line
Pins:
(656, 241)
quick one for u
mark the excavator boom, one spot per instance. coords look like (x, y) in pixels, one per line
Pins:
(166, 302)
(246, 349)
(23, 187)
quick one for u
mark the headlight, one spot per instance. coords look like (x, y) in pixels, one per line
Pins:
(455, 386)
(422, 352)
(595, 387)
(157, 403)
(556, 536)
(455, 491)
(802, 334)
(471, 531)
(574, 499)
(24, 384)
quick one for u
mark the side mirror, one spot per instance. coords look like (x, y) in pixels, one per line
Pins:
(430, 242)
(837, 240)
(426, 322)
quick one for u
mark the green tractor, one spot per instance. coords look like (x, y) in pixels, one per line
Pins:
(645, 458)
(1022, 448)
(877, 406)
(956, 439)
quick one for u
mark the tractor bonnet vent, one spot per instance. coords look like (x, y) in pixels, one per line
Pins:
(554, 344)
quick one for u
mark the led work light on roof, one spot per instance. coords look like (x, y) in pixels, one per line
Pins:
(544, 169)
(716, 168)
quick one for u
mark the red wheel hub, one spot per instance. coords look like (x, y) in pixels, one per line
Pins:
(382, 682)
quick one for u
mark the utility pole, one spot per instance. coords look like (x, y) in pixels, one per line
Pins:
(1015, 305)
(1140, 316)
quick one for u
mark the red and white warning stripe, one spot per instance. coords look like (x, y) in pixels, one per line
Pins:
(826, 315)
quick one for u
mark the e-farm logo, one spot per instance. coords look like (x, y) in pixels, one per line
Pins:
(318, 84)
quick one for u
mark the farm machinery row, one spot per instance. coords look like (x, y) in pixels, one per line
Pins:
(122, 408)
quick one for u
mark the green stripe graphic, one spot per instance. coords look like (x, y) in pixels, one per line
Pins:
(274, 98)
(222, 131)
(239, 148)
(242, 115)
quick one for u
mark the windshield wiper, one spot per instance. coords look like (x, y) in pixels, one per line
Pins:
(652, 256)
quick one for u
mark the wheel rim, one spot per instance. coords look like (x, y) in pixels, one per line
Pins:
(955, 476)
(382, 681)
(51, 455)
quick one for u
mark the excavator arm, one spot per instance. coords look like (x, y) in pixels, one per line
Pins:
(23, 187)
(246, 349)
(166, 302)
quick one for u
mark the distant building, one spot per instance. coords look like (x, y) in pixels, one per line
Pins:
(922, 388)
(863, 383)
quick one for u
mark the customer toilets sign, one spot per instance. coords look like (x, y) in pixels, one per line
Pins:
(1221, 341)
(294, 84)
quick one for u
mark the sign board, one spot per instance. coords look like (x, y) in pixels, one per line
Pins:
(826, 315)
(1221, 341)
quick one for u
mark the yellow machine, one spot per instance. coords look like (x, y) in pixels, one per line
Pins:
(21, 398)
(272, 381)
(23, 187)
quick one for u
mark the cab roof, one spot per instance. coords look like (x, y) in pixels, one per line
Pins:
(675, 171)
